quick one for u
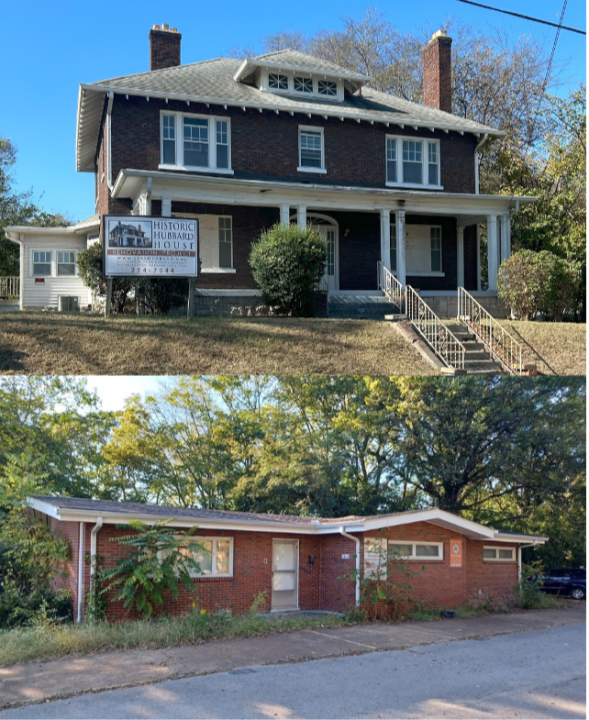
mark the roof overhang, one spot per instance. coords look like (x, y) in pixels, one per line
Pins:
(131, 183)
(91, 99)
(82, 228)
(434, 516)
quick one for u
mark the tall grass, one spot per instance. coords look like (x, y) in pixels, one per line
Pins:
(58, 640)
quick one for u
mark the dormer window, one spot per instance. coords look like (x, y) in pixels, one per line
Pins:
(276, 81)
(303, 84)
(327, 87)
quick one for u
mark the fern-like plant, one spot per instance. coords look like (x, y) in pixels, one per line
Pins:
(156, 563)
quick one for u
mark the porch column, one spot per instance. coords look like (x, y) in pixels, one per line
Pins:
(479, 286)
(460, 255)
(400, 228)
(385, 238)
(505, 237)
(166, 207)
(492, 251)
(284, 214)
(302, 216)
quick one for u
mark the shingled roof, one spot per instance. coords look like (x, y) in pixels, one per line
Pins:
(213, 81)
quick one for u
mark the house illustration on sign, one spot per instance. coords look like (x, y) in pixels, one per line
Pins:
(390, 184)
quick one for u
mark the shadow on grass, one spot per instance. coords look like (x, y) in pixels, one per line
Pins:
(535, 354)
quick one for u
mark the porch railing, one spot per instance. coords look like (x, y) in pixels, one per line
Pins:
(9, 287)
(438, 336)
(502, 346)
(391, 287)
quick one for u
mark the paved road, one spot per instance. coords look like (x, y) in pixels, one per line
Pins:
(533, 674)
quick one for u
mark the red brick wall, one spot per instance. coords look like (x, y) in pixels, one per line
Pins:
(487, 577)
(437, 74)
(266, 144)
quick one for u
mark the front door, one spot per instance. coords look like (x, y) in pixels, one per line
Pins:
(285, 574)
(329, 234)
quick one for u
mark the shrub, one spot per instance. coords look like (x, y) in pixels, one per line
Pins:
(287, 262)
(531, 281)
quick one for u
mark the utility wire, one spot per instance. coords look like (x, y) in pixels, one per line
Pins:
(564, 7)
(525, 17)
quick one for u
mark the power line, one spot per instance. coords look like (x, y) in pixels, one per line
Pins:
(564, 7)
(525, 17)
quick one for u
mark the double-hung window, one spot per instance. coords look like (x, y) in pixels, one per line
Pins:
(66, 263)
(225, 243)
(423, 249)
(311, 150)
(195, 142)
(42, 263)
(214, 556)
(414, 162)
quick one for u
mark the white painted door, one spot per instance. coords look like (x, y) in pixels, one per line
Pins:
(285, 574)
(330, 276)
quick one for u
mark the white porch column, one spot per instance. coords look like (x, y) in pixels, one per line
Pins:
(166, 207)
(284, 214)
(492, 251)
(302, 216)
(385, 238)
(505, 237)
(460, 255)
(479, 285)
(400, 228)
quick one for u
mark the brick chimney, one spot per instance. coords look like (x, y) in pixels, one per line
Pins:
(164, 47)
(437, 72)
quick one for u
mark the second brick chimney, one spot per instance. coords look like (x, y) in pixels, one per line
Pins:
(437, 72)
(164, 47)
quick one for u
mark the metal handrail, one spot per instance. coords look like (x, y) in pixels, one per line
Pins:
(436, 333)
(389, 284)
(502, 346)
(9, 287)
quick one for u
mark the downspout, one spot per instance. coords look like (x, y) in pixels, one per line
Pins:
(519, 559)
(93, 544)
(111, 97)
(357, 541)
(476, 162)
(80, 573)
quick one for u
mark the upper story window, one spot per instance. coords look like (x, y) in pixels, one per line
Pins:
(298, 83)
(195, 142)
(311, 150)
(413, 161)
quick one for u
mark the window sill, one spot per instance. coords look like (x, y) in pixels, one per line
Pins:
(425, 274)
(321, 171)
(218, 271)
(414, 186)
(217, 171)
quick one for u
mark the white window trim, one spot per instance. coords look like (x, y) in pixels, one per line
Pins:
(303, 168)
(54, 263)
(512, 559)
(424, 162)
(290, 74)
(414, 544)
(75, 275)
(213, 538)
(179, 130)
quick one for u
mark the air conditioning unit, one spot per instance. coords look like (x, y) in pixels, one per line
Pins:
(68, 303)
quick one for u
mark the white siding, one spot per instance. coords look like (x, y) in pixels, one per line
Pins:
(46, 294)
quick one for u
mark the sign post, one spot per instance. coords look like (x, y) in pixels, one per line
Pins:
(145, 246)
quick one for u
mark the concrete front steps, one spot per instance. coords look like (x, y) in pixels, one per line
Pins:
(360, 307)
(478, 360)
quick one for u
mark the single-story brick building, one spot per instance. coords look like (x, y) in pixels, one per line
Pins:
(304, 563)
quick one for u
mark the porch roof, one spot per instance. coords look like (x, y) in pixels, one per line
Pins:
(131, 183)
(87, 510)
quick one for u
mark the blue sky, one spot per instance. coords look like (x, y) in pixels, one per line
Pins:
(48, 49)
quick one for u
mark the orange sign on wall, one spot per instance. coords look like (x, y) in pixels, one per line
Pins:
(456, 553)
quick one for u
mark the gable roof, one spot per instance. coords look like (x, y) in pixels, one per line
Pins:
(212, 81)
(87, 510)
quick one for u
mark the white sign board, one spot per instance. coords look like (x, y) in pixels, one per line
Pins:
(150, 247)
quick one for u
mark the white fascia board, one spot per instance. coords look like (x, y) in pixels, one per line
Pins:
(44, 507)
(239, 74)
(338, 112)
(461, 524)
(520, 539)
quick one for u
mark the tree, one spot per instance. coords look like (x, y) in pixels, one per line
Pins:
(156, 563)
(17, 209)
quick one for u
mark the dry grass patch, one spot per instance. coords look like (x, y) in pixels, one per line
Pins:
(556, 348)
(67, 344)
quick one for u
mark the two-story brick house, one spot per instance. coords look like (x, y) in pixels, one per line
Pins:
(288, 137)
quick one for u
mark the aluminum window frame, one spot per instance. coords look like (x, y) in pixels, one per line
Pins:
(497, 548)
(179, 143)
(214, 539)
(425, 154)
(305, 168)
(414, 555)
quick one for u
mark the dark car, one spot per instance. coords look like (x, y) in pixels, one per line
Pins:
(565, 582)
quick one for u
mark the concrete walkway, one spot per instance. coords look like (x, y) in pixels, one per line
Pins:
(39, 681)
